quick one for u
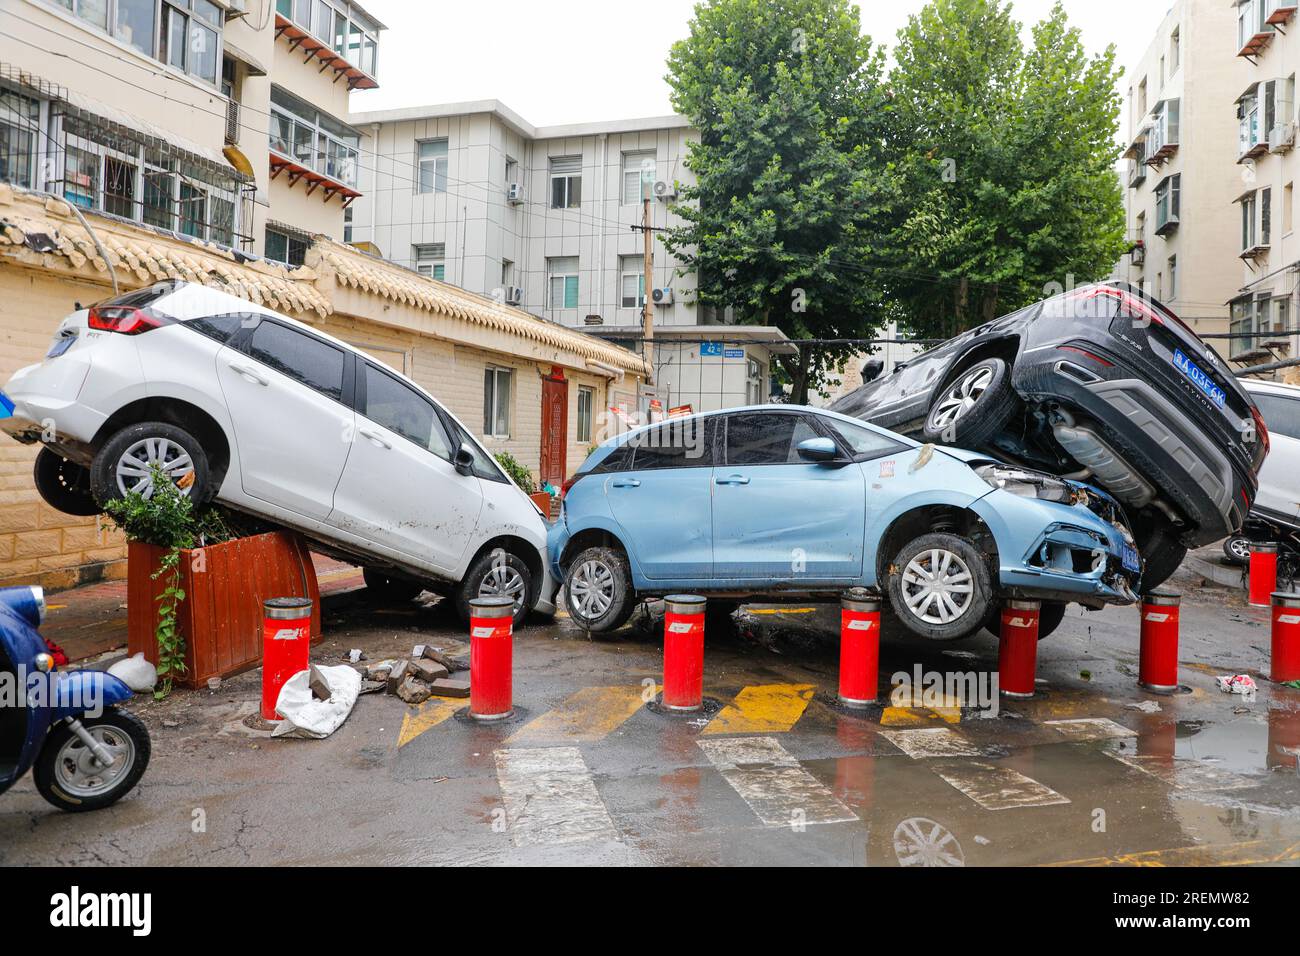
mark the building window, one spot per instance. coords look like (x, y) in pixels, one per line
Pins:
(285, 247)
(1288, 197)
(432, 162)
(345, 29)
(586, 403)
(185, 34)
(1167, 200)
(134, 23)
(562, 275)
(430, 260)
(638, 170)
(1266, 216)
(1142, 98)
(1248, 234)
(347, 225)
(753, 382)
(313, 139)
(566, 182)
(632, 288)
(1173, 277)
(496, 402)
(1175, 51)
(19, 129)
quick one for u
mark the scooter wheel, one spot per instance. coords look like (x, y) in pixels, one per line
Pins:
(68, 775)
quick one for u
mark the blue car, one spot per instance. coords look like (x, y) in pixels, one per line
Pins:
(783, 501)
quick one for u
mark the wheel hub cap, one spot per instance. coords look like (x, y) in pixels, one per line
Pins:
(937, 586)
(920, 841)
(591, 590)
(133, 468)
(503, 581)
(80, 773)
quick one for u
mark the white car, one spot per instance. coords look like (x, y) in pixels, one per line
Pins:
(270, 417)
(1278, 500)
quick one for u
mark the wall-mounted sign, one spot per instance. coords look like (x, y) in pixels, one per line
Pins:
(710, 348)
(733, 353)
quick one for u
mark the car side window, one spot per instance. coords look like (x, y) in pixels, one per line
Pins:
(862, 441)
(1281, 415)
(678, 443)
(222, 327)
(620, 459)
(302, 357)
(766, 438)
(405, 412)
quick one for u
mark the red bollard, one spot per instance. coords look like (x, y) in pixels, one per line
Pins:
(1018, 648)
(1285, 655)
(286, 647)
(1263, 572)
(859, 648)
(491, 657)
(1158, 660)
(683, 652)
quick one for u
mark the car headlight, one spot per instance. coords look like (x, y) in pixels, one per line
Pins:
(1028, 484)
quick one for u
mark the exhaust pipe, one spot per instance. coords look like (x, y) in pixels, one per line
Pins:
(1112, 471)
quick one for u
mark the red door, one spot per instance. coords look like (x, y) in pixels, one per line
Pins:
(555, 428)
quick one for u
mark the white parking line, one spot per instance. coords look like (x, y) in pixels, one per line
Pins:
(997, 788)
(1090, 728)
(1183, 773)
(550, 797)
(772, 782)
(932, 742)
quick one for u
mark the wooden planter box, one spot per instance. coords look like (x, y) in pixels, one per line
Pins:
(221, 616)
(543, 501)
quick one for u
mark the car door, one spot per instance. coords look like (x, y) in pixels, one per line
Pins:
(778, 517)
(662, 500)
(400, 488)
(1279, 477)
(288, 393)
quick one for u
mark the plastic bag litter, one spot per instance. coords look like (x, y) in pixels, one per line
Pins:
(136, 673)
(304, 715)
(1237, 684)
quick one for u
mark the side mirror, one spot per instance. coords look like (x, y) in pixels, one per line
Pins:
(464, 461)
(821, 450)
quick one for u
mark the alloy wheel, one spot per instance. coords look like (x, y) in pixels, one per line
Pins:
(133, 468)
(504, 581)
(79, 772)
(1240, 547)
(937, 586)
(591, 590)
(961, 398)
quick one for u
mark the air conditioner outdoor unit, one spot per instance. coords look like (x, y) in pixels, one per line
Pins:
(665, 190)
(663, 296)
(515, 193)
(514, 295)
(1281, 137)
(593, 320)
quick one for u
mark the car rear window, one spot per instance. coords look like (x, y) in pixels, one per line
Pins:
(1281, 415)
(139, 298)
(680, 443)
(222, 327)
(316, 364)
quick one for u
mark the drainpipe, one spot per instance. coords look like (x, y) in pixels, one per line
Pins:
(374, 190)
(608, 371)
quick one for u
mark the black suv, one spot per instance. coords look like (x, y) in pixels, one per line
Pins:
(1100, 384)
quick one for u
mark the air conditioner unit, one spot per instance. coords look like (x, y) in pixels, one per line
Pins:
(515, 193)
(1281, 138)
(236, 8)
(514, 295)
(665, 190)
(593, 320)
(663, 296)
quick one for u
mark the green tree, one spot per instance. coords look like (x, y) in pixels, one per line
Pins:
(1009, 186)
(792, 189)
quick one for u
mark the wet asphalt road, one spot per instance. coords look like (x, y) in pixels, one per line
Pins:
(775, 773)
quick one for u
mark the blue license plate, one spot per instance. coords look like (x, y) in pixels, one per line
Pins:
(1197, 376)
(60, 346)
(1130, 560)
(6, 406)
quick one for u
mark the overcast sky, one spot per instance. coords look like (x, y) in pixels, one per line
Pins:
(566, 61)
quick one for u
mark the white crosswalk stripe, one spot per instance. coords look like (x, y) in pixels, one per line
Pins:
(996, 788)
(768, 778)
(1090, 728)
(933, 742)
(550, 797)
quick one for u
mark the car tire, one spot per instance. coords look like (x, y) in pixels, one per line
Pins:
(497, 573)
(974, 407)
(1049, 618)
(180, 454)
(56, 771)
(1161, 551)
(384, 586)
(914, 598)
(1236, 549)
(64, 484)
(598, 590)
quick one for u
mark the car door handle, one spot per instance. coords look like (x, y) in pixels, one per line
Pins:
(248, 373)
(625, 483)
(376, 438)
(731, 480)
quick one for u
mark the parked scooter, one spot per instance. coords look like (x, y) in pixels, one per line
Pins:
(85, 753)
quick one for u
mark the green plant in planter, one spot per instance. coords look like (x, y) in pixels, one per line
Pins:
(521, 475)
(168, 520)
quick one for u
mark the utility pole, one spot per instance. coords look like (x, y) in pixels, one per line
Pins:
(647, 314)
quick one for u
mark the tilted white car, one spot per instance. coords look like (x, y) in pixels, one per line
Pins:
(275, 419)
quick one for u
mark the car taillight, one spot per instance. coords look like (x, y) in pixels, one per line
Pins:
(1135, 306)
(1261, 431)
(1088, 355)
(122, 320)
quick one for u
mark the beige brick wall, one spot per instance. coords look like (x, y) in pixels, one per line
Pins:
(39, 545)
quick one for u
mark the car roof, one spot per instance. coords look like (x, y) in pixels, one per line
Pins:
(1263, 385)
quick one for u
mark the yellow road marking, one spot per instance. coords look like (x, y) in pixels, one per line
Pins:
(762, 709)
(913, 713)
(590, 714)
(429, 715)
(781, 610)
(1253, 853)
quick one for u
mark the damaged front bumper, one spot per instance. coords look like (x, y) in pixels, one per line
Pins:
(1050, 551)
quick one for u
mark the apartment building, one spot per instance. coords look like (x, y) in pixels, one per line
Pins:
(1181, 168)
(207, 140)
(1264, 306)
(543, 218)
